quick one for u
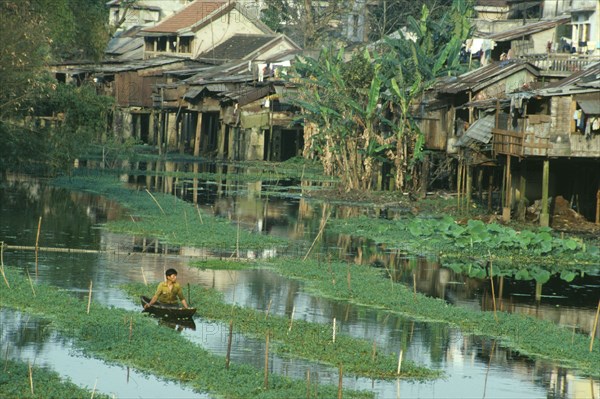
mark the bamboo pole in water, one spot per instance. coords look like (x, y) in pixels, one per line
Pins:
(268, 308)
(144, 276)
(30, 378)
(130, 327)
(307, 383)
(334, 330)
(292, 319)
(2, 263)
(155, 201)
(30, 282)
(373, 351)
(94, 390)
(37, 242)
(89, 298)
(323, 224)
(229, 338)
(493, 293)
(199, 214)
(340, 381)
(415, 286)
(399, 362)
(593, 334)
(266, 382)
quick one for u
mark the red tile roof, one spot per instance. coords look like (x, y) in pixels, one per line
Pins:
(187, 16)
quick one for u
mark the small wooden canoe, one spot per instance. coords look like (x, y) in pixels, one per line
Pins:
(167, 311)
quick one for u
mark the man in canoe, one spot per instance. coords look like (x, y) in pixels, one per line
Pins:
(168, 291)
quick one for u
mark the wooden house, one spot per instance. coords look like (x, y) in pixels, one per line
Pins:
(534, 141)
(234, 107)
(557, 144)
(200, 27)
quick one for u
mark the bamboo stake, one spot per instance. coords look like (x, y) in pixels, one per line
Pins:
(488, 369)
(2, 263)
(415, 286)
(292, 319)
(30, 378)
(144, 276)
(199, 214)
(493, 293)
(268, 308)
(152, 196)
(266, 382)
(593, 334)
(307, 383)
(94, 390)
(399, 362)
(334, 330)
(340, 381)
(6, 357)
(37, 241)
(130, 327)
(373, 351)
(237, 241)
(349, 278)
(30, 282)
(89, 298)
(317, 237)
(229, 338)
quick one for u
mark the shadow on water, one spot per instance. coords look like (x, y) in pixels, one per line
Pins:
(475, 366)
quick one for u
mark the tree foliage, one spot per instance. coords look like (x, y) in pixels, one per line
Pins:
(35, 33)
(362, 109)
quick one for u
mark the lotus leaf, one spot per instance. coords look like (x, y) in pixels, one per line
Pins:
(522, 274)
(567, 276)
(540, 275)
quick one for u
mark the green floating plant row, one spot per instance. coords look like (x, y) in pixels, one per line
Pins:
(466, 248)
(299, 338)
(16, 381)
(134, 339)
(367, 286)
(168, 218)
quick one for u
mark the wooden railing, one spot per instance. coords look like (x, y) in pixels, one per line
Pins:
(519, 144)
(562, 63)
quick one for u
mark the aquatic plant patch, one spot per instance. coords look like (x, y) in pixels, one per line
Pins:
(134, 339)
(301, 339)
(530, 336)
(466, 248)
(18, 379)
(168, 218)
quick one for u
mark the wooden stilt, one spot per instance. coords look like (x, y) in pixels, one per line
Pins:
(508, 189)
(545, 212)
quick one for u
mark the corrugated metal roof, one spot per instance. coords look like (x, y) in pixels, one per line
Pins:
(480, 130)
(484, 76)
(187, 17)
(589, 103)
(526, 30)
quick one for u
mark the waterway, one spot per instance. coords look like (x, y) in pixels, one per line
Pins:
(474, 366)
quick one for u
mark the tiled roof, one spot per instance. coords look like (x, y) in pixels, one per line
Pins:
(187, 17)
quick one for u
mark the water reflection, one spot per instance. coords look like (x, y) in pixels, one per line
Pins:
(473, 368)
(32, 340)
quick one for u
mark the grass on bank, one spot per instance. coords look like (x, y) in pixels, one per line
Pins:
(306, 340)
(134, 339)
(371, 287)
(17, 379)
